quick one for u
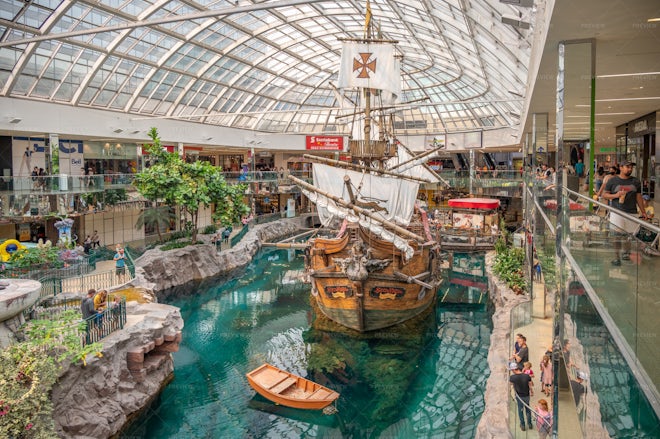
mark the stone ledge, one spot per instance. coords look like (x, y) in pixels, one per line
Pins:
(494, 423)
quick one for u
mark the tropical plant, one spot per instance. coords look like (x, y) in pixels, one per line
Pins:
(189, 186)
(35, 256)
(30, 369)
(158, 217)
(114, 196)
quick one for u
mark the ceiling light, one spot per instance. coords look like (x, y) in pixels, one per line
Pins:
(652, 20)
(521, 3)
(649, 98)
(135, 131)
(628, 74)
(208, 138)
(118, 130)
(15, 120)
(615, 114)
(515, 22)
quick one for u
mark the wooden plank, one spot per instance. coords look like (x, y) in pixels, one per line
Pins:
(285, 384)
(319, 394)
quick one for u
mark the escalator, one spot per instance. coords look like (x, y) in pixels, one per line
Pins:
(490, 162)
(460, 161)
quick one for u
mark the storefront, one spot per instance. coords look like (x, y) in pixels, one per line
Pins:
(636, 141)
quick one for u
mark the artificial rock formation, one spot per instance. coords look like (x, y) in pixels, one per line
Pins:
(96, 400)
(494, 423)
(160, 271)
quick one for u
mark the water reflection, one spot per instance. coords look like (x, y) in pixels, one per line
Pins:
(424, 379)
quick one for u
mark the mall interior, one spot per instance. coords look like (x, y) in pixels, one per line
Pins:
(251, 87)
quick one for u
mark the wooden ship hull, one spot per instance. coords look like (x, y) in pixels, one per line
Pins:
(289, 390)
(384, 291)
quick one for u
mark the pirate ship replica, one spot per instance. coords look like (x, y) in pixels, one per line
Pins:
(382, 265)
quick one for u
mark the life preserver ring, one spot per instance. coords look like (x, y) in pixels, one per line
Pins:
(8, 247)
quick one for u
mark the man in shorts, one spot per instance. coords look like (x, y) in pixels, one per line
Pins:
(120, 264)
(625, 193)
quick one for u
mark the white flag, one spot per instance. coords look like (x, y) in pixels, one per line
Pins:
(370, 66)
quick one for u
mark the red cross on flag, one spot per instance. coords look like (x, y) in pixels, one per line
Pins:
(370, 66)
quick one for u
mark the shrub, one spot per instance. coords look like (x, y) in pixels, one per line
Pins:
(209, 230)
(29, 369)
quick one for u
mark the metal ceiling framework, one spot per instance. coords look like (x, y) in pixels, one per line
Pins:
(266, 66)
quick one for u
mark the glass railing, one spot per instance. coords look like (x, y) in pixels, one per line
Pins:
(609, 304)
(62, 183)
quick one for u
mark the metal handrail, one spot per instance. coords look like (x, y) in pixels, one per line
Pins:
(515, 398)
(609, 208)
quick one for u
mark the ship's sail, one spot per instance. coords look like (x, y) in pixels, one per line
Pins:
(391, 199)
(370, 66)
(414, 168)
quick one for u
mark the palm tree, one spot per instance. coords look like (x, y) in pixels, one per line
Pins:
(156, 217)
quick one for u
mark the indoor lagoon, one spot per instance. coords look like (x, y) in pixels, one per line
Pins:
(426, 379)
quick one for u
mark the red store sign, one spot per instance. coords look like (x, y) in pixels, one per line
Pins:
(325, 143)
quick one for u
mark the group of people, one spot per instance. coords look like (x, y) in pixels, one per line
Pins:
(92, 241)
(522, 382)
(95, 303)
(38, 176)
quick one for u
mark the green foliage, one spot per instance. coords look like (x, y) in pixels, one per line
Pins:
(31, 257)
(29, 370)
(209, 230)
(177, 244)
(189, 186)
(114, 196)
(158, 217)
(508, 265)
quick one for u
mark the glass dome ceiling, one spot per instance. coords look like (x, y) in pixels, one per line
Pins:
(266, 65)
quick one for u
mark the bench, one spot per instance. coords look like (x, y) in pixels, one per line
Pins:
(319, 394)
(282, 386)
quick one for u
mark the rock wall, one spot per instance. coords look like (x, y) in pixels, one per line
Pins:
(494, 423)
(161, 271)
(96, 400)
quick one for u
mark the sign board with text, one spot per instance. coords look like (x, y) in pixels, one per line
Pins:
(324, 143)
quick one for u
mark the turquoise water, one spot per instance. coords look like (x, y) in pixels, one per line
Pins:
(423, 381)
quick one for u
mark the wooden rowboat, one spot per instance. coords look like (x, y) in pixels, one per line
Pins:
(290, 390)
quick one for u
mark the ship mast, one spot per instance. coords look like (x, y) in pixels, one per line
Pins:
(372, 153)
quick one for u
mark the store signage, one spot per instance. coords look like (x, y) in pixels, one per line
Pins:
(168, 148)
(324, 143)
(640, 126)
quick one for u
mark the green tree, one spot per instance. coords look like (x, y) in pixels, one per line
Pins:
(29, 370)
(189, 186)
(157, 217)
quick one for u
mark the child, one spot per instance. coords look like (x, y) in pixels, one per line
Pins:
(546, 375)
(527, 368)
(544, 419)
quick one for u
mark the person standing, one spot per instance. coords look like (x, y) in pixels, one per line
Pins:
(544, 419)
(546, 375)
(625, 193)
(579, 168)
(120, 264)
(522, 386)
(523, 353)
(96, 241)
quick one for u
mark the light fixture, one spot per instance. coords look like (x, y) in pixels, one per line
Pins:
(515, 22)
(208, 138)
(135, 132)
(15, 120)
(118, 130)
(522, 3)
